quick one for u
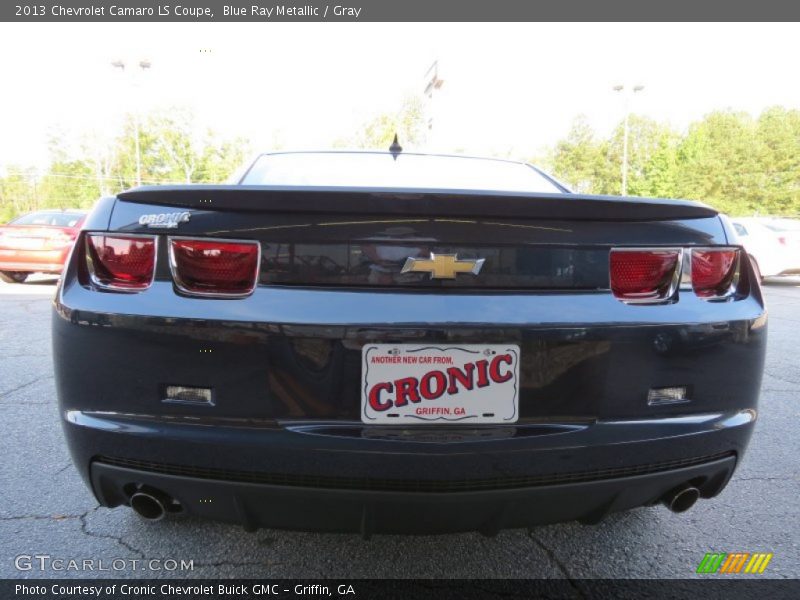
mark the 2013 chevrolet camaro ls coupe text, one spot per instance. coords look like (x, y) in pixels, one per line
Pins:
(396, 342)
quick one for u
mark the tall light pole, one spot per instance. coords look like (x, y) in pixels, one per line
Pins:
(143, 65)
(433, 83)
(635, 89)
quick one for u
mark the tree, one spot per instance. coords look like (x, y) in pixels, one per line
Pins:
(17, 192)
(220, 158)
(658, 176)
(69, 184)
(719, 163)
(778, 134)
(176, 145)
(408, 122)
(652, 149)
(738, 164)
(580, 160)
(173, 149)
(183, 152)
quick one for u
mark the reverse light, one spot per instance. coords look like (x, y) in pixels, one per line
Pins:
(644, 275)
(667, 395)
(120, 262)
(211, 267)
(714, 271)
(181, 394)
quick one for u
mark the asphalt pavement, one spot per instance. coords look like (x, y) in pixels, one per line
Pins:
(46, 510)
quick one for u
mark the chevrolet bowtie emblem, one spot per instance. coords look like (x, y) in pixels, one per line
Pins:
(443, 266)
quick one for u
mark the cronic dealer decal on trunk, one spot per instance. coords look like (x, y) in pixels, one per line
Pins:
(165, 220)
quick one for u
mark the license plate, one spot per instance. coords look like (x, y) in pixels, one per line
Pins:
(432, 384)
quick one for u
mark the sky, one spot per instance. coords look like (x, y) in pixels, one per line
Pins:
(509, 89)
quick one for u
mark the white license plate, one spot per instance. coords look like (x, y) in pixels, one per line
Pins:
(436, 384)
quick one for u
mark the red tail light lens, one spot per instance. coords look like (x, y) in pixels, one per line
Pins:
(119, 262)
(714, 271)
(214, 267)
(644, 275)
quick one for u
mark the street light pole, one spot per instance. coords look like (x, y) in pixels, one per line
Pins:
(625, 134)
(143, 65)
(433, 83)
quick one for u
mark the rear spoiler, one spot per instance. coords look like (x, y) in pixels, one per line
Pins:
(417, 202)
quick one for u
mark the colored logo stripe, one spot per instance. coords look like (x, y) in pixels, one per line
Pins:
(758, 563)
(711, 562)
(735, 562)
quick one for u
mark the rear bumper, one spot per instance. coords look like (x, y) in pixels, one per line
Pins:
(334, 477)
(33, 261)
(256, 505)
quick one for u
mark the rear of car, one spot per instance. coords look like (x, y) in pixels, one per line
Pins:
(788, 233)
(773, 244)
(37, 242)
(342, 342)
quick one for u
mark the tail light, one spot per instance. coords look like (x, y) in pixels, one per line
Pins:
(714, 271)
(644, 276)
(121, 262)
(220, 268)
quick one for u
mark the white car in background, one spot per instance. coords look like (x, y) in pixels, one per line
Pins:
(772, 243)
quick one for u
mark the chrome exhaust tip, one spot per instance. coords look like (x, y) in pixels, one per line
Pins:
(681, 499)
(148, 506)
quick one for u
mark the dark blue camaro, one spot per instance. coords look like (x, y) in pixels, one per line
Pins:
(395, 342)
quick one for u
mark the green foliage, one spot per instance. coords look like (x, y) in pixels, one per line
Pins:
(592, 165)
(659, 172)
(729, 160)
(69, 184)
(778, 131)
(651, 158)
(171, 152)
(408, 122)
(580, 160)
(738, 164)
(17, 195)
(719, 163)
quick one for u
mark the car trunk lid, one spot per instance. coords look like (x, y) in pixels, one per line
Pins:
(365, 238)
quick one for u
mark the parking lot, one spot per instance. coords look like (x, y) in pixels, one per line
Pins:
(46, 509)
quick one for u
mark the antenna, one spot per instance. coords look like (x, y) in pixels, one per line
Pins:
(395, 148)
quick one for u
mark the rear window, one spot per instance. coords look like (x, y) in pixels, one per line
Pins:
(46, 218)
(321, 169)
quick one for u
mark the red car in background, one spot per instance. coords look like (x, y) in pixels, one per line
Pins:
(38, 242)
